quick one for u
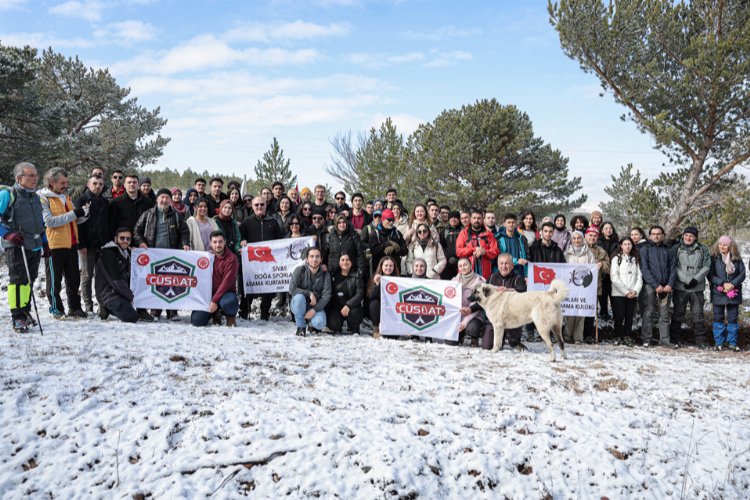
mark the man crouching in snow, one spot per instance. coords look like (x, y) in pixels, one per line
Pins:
(310, 291)
(112, 279)
(223, 286)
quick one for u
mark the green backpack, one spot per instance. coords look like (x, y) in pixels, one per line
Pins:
(8, 214)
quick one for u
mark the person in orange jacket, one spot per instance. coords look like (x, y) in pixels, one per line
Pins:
(477, 243)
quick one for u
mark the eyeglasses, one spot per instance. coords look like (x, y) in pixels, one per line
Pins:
(339, 198)
(376, 216)
(317, 217)
(294, 223)
(124, 238)
(306, 209)
(249, 201)
(117, 177)
(422, 231)
(259, 204)
(390, 219)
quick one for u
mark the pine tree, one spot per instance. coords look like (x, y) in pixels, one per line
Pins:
(633, 201)
(273, 167)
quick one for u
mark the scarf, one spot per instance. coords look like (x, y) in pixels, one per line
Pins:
(727, 257)
(223, 217)
(465, 279)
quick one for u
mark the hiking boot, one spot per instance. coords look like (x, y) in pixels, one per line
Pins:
(78, 314)
(103, 313)
(20, 326)
(231, 321)
(301, 332)
(668, 345)
(155, 314)
(216, 319)
(589, 340)
(172, 316)
(145, 316)
(58, 315)
(30, 320)
(376, 332)
(474, 342)
(520, 348)
(734, 348)
(719, 347)
(312, 329)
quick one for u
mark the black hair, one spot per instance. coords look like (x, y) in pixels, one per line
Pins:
(217, 179)
(655, 227)
(199, 179)
(577, 218)
(277, 183)
(509, 215)
(214, 234)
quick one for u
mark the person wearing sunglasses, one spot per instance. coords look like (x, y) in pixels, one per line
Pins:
(386, 240)
(118, 186)
(423, 246)
(340, 202)
(257, 227)
(112, 282)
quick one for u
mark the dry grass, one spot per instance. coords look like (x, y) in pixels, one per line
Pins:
(609, 383)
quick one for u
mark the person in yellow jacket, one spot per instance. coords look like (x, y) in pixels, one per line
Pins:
(61, 219)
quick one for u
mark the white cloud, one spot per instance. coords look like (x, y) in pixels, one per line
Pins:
(44, 40)
(442, 33)
(295, 30)
(11, 4)
(127, 32)
(90, 10)
(206, 52)
(434, 59)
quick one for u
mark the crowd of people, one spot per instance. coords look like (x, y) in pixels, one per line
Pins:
(87, 236)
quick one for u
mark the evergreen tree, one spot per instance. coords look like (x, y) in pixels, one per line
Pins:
(681, 70)
(485, 155)
(271, 168)
(633, 201)
(380, 163)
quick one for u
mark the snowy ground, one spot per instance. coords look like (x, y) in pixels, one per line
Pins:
(99, 409)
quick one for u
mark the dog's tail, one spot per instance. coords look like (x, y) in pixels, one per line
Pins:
(558, 291)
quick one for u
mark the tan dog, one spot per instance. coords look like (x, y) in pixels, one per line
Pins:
(510, 309)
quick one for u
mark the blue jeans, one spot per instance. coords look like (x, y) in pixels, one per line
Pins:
(228, 305)
(298, 306)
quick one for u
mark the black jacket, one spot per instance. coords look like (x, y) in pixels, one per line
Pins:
(380, 239)
(95, 232)
(658, 265)
(112, 276)
(145, 229)
(321, 234)
(538, 252)
(125, 212)
(346, 290)
(348, 243)
(213, 205)
(253, 229)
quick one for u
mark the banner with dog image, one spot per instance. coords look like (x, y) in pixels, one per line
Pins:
(581, 280)
(162, 278)
(426, 308)
(267, 266)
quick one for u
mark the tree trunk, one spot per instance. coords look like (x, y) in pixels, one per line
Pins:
(674, 217)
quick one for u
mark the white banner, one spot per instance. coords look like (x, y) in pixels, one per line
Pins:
(169, 279)
(267, 266)
(427, 308)
(581, 280)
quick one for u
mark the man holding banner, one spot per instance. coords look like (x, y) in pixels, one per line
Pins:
(310, 291)
(256, 228)
(223, 286)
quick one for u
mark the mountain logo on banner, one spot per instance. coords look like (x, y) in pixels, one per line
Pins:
(420, 307)
(171, 279)
(260, 254)
(581, 276)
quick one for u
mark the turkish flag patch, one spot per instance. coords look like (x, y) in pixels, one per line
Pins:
(543, 275)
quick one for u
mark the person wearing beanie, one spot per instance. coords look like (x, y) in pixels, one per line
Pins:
(146, 190)
(386, 240)
(161, 227)
(305, 195)
(726, 274)
(596, 219)
(448, 238)
(692, 260)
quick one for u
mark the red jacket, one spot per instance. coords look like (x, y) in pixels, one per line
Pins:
(225, 275)
(467, 242)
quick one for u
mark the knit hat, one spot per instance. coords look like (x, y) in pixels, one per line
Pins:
(725, 240)
(163, 191)
(596, 212)
(592, 229)
(304, 191)
(144, 180)
(388, 214)
(318, 211)
(691, 230)
(454, 214)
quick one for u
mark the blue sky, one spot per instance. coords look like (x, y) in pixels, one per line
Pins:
(231, 75)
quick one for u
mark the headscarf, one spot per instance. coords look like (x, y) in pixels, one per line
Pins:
(727, 257)
(179, 206)
(186, 201)
(580, 251)
(465, 279)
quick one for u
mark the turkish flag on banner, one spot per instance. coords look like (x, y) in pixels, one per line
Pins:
(261, 254)
(543, 275)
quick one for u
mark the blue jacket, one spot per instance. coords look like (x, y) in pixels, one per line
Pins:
(516, 246)
(717, 276)
(658, 265)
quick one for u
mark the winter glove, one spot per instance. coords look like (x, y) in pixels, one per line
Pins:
(86, 209)
(396, 247)
(452, 261)
(388, 250)
(15, 238)
(80, 212)
(692, 283)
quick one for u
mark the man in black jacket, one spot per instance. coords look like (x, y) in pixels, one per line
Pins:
(161, 227)
(448, 237)
(113, 279)
(255, 228)
(659, 275)
(387, 240)
(92, 235)
(545, 249)
(125, 210)
(507, 279)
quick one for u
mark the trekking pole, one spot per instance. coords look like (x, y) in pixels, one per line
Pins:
(31, 289)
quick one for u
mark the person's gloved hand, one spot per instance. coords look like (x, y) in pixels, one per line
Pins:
(15, 238)
(452, 260)
(86, 209)
(396, 247)
(388, 250)
(80, 212)
(692, 283)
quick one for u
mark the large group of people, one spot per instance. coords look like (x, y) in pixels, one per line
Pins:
(86, 237)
